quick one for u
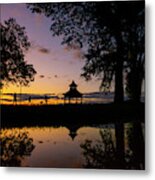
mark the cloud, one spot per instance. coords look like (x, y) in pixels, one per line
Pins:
(76, 51)
(44, 50)
(71, 47)
(40, 48)
(56, 76)
(41, 76)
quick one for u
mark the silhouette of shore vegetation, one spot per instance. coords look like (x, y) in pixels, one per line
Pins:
(47, 115)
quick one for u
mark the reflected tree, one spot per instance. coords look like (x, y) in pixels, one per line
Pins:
(14, 147)
(135, 154)
(104, 154)
(14, 44)
(120, 146)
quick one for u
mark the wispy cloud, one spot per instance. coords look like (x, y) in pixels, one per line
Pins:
(44, 50)
(41, 76)
(40, 48)
(56, 76)
(77, 52)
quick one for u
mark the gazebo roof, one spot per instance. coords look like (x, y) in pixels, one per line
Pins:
(73, 93)
(73, 84)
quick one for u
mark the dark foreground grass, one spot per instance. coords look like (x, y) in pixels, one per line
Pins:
(49, 115)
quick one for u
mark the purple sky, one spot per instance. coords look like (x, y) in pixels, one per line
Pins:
(56, 65)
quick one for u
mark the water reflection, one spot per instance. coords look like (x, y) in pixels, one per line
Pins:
(73, 146)
(44, 99)
(128, 153)
(102, 154)
(135, 155)
(15, 145)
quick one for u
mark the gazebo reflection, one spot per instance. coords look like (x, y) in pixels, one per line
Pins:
(73, 128)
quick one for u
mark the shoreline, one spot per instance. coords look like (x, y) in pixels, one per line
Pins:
(71, 114)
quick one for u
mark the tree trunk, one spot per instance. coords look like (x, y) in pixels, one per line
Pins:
(119, 92)
(135, 81)
(138, 91)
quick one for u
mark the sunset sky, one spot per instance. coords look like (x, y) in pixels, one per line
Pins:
(56, 65)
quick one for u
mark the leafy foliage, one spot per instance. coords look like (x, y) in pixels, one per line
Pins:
(136, 58)
(14, 43)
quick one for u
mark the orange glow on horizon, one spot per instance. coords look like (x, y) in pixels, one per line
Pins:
(52, 87)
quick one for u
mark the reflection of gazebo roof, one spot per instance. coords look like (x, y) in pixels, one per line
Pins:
(72, 135)
(72, 130)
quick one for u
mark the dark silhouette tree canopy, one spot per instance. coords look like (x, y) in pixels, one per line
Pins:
(14, 43)
(136, 58)
(104, 28)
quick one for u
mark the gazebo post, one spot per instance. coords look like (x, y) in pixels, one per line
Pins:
(64, 100)
(69, 100)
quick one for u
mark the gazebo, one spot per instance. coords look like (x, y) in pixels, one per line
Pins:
(72, 94)
(73, 131)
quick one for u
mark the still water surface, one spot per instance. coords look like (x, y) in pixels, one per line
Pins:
(60, 146)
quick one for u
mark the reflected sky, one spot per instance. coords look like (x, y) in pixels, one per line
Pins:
(55, 148)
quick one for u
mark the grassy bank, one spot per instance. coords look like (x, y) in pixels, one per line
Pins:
(19, 116)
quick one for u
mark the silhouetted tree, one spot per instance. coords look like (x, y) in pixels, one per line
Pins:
(14, 43)
(103, 27)
(110, 54)
(136, 58)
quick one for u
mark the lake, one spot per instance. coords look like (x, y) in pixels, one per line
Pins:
(39, 99)
(96, 146)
